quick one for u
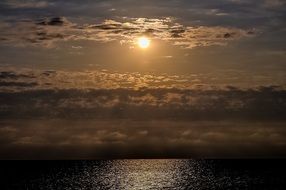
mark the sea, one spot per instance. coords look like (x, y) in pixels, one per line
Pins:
(141, 174)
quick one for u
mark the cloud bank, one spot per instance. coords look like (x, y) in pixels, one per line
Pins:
(111, 95)
(102, 114)
(15, 79)
(76, 139)
(264, 104)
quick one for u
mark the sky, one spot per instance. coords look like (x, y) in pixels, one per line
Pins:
(75, 83)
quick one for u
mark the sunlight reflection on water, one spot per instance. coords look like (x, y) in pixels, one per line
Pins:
(142, 174)
(135, 174)
(152, 174)
(147, 174)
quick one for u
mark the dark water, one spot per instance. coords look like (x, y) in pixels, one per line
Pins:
(144, 174)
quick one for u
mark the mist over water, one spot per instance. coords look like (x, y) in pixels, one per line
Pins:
(145, 174)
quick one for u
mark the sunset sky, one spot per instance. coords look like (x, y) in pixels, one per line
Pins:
(142, 78)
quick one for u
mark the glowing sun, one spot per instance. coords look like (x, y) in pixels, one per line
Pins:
(144, 42)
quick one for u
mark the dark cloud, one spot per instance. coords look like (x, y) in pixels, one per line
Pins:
(263, 104)
(17, 84)
(56, 21)
(227, 35)
(14, 75)
(238, 13)
(27, 4)
(222, 13)
(177, 32)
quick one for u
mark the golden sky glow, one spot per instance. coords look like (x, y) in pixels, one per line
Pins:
(142, 79)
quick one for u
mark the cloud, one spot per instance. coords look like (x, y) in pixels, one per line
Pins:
(274, 3)
(168, 30)
(46, 32)
(55, 21)
(28, 100)
(90, 139)
(16, 4)
(14, 75)
(104, 79)
(17, 84)
(96, 79)
(41, 32)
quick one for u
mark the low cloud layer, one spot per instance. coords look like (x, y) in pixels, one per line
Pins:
(13, 79)
(142, 123)
(110, 95)
(77, 139)
(263, 104)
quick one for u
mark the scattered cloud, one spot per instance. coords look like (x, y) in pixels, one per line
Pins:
(105, 79)
(47, 31)
(43, 32)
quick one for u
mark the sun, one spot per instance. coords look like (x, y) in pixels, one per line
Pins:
(144, 42)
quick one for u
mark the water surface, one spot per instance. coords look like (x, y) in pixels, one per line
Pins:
(144, 174)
